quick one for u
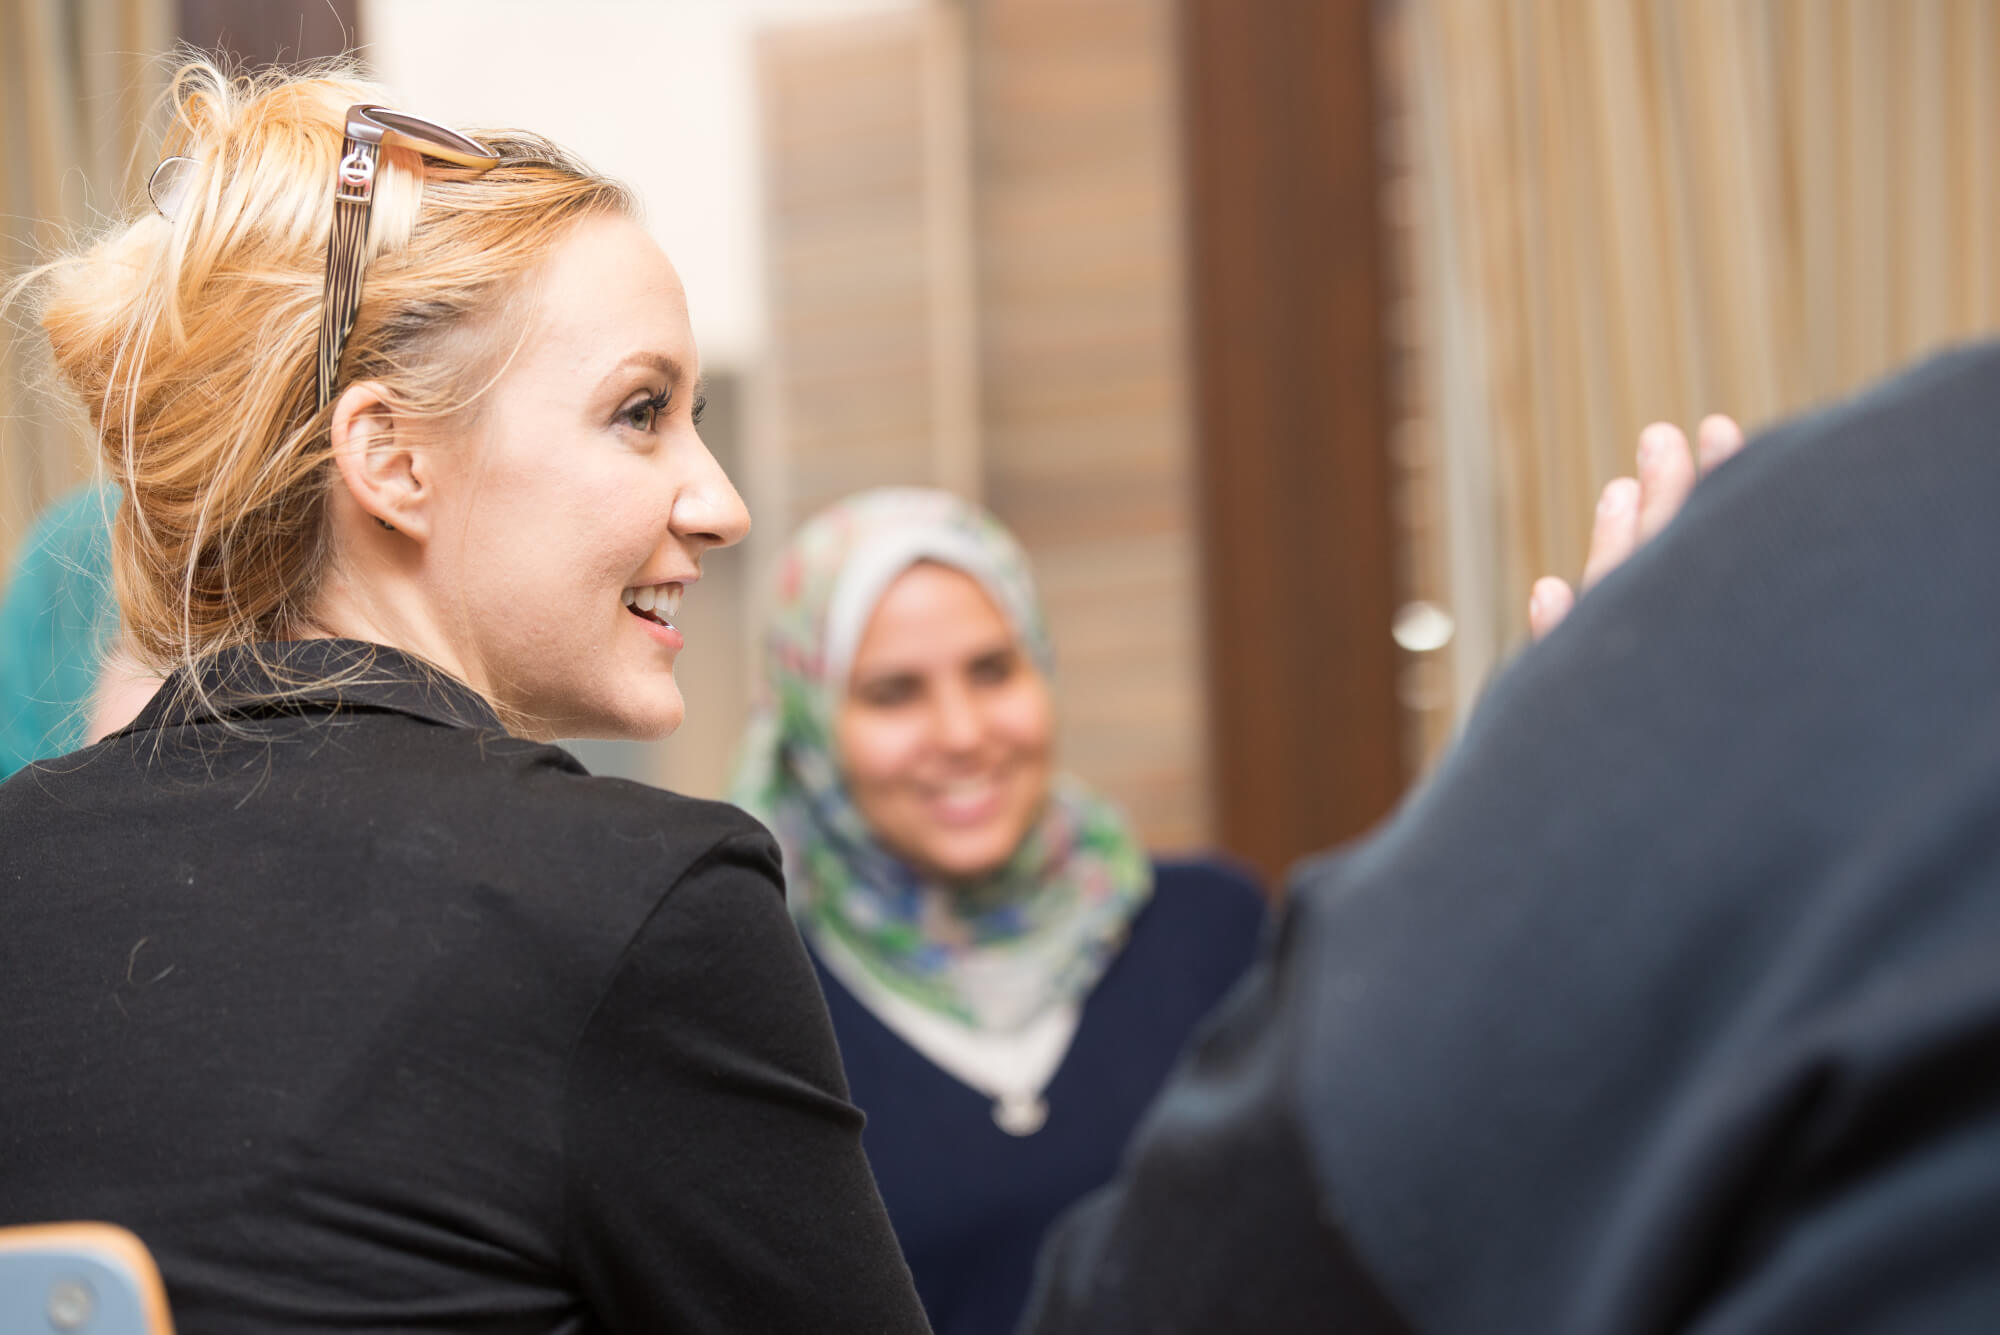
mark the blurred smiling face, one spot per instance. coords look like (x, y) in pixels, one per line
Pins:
(584, 499)
(945, 733)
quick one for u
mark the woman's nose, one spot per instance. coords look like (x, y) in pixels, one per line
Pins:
(957, 720)
(708, 510)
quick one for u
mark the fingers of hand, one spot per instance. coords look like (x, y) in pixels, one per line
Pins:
(1719, 437)
(1548, 603)
(1666, 476)
(1632, 510)
(1615, 534)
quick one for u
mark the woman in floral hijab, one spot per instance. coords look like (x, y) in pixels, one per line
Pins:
(1010, 977)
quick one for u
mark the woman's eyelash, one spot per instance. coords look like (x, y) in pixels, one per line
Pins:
(888, 692)
(643, 413)
(646, 412)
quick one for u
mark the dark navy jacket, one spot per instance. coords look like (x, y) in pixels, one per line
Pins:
(1672, 1001)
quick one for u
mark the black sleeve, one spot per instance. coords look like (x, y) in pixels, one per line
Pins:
(1668, 1002)
(1914, 1251)
(1214, 1223)
(1888, 1213)
(716, 1177)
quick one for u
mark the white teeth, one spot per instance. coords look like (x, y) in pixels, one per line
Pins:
(660, 600)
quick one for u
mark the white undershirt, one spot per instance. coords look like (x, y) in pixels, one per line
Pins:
(1012, 1069)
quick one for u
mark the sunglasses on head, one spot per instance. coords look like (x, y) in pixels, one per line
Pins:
(368, 129)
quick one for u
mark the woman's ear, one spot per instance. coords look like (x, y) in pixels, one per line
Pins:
(386, 472)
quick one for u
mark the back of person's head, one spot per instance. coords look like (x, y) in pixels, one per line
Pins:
(192, 340)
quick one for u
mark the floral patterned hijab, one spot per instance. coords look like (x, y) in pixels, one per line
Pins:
(995, 955)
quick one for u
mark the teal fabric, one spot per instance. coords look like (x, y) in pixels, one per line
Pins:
(58, 618)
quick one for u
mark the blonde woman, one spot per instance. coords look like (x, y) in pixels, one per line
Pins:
(362, 1005)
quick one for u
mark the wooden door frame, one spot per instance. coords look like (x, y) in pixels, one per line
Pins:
(1287, 288)
(266, 32)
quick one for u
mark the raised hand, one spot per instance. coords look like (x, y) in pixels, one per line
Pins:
(1630, 511)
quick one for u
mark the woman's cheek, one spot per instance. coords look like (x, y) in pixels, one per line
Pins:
(1030, 722)
(905, 747)
(880, 750)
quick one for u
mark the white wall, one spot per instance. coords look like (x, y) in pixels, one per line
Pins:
(656, 92)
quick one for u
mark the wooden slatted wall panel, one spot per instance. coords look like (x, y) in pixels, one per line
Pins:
(975, 284)
(852, 259)
(1086, 447)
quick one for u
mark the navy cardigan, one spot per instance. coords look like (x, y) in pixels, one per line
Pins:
(968, 1201)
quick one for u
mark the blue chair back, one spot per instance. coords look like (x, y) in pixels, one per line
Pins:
(79, 1279)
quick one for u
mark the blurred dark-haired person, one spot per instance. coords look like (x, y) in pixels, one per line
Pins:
(1672, 1001)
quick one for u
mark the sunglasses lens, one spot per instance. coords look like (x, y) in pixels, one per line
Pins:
(416, 127)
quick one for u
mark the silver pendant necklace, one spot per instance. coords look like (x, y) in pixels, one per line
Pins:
(1020, 1114)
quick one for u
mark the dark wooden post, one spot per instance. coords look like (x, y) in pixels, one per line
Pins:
(1287, 288)
(268, 32)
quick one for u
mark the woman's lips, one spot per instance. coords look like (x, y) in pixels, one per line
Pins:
(964, 802)
(663, 633)
(654, 606)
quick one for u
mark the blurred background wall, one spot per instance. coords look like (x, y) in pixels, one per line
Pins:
(77, 83)
(1295, 337)
(1618, 212)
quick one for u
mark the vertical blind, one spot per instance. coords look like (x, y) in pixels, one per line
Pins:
(1629, 210)
(79, 80)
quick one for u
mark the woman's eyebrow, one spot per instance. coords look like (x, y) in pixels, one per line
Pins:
(651, 361)
(885, 675)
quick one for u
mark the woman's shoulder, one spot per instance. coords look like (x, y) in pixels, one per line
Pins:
(534, 794)
(571, 850)
(1206, 912)
(647, 834)
(625, 809)
(1208, 886)
(1197, 934)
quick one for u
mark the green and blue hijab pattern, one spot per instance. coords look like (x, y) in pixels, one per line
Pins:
(994, 955)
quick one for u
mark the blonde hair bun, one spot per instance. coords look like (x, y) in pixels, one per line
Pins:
(191, 342)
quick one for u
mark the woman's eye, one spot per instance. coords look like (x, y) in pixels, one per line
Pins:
(645, 414)
(700, 407)
(887, 692)
(993, 669)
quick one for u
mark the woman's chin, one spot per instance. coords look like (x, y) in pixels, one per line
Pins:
(656, 716)
(656, 726)
(967, 861)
